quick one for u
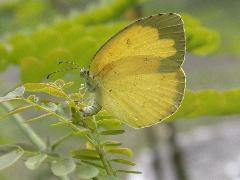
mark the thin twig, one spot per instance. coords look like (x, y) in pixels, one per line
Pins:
(29, 132)
(177, 155)
(60, 140)
(100, 151)
(26, 129)
(96, 142)
(153, 144)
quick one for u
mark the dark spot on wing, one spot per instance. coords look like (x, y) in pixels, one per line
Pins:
(146, 59)
(128, 42)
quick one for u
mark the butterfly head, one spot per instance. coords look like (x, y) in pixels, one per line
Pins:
(84, 72)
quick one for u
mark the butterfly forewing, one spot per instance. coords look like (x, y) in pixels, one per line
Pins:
(138, 71)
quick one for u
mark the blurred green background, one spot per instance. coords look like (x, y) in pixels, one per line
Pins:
(200, 142)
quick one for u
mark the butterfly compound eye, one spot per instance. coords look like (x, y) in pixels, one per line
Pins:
(84, 72)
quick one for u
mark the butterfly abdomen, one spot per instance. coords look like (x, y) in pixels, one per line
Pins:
(92, 109)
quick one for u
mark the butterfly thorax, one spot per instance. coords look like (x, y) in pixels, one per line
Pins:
(88, 79)
(91, 86)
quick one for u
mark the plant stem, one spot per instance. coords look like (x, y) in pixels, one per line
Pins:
(99, 148)
(153, 144)
(59, 141)
(62, 119)
(104, 160)
(177, 155)
(29, 132)
(26, 129)
(95, 141)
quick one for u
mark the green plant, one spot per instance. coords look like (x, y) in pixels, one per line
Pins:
(95, 160)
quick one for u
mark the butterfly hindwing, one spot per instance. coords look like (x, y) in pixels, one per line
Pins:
(144, 94)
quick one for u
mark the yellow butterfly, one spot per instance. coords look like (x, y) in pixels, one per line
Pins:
(136, 75)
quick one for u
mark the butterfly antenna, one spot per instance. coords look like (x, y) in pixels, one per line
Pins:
(61, 70)
(68, 62)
